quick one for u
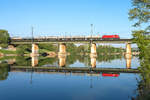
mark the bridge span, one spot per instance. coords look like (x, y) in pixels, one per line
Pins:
(63, 40)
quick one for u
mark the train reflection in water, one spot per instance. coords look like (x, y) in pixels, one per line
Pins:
(110, 74)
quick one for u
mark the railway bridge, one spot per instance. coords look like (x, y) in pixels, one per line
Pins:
(62, 46)
(63, 40)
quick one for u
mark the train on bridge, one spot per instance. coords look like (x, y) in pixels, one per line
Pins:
(69, 38)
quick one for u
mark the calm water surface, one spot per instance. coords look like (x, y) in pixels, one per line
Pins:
(17, 85)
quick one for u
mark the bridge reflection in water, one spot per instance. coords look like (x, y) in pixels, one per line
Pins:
(78, 71)
(93, 62)
(34, 61)
(62, 61)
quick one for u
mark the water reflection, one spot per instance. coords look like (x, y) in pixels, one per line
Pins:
(73, 61)
(93, 62)
(62, 61)
(80, 83)
(143, 89)
(34, 61)
(128, 63)
(4, 68)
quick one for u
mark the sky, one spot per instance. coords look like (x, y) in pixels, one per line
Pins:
(65, 17)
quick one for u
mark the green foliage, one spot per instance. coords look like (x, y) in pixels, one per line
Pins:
(142, 42)
(23, 49)
(108, 50)
(83, 49)
(71, 48)
(141, 13)
(7, 51)
(4, 38)
(49, 47)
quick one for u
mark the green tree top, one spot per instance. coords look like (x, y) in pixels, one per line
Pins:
(140, 12)
(4, 38)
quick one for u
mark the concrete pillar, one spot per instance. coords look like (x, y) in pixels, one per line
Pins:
(128, 51)
(93, 50)
(34, 61)
(93, 62)
(62, 49)
(62, 61)
(128, 63)
(128, 48)
(35, 50)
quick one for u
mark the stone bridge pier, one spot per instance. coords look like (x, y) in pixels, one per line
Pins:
(128, 51)
(62, 49)
(93, 50)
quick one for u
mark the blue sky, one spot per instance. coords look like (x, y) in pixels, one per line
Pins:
(61, 16)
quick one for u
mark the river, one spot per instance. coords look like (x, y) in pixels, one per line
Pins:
(62, 85)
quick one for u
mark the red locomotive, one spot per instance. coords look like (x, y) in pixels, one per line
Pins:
(110, 37)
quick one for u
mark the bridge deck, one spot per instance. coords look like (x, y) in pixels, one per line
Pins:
(72, 69)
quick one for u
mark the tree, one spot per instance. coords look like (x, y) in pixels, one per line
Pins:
(141, 14)
(4, 38)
